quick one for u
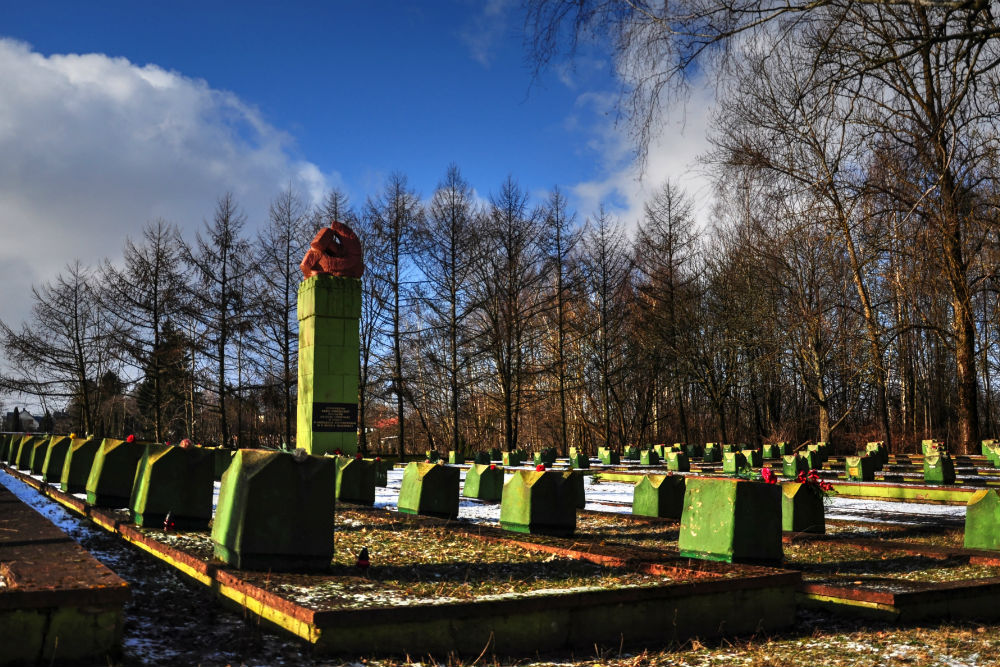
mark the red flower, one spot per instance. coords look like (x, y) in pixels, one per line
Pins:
(131, 438)
(493, 466)
(378, 459)
(358, 455)
(768, 475)
(540, 467)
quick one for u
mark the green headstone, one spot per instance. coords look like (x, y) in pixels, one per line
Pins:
(276, 512)
(454, 457)
(985, 445)
(649, 457)
(25, 451)
(712, 453)
(4, 445)
(982, 520)
(38, 454)
(793, 464)
(381, 471)
(731, 520)
(512, 459)
(609, 458)
(659, 495)
(177, 481)
(546, 457)
(76, 467)
(860, 468)
(113, 473)
(221, 458)
(539, 502)
(693, 450)
(579, 461)
(575, 481)
(483, 481)
(429, 488)
(432, 456)
(753, 457)
(678, 462)
(939, 469)
(733, 462)
(813, 459)
(482, 458)
(802, 509)
(496, 454)
(52, 466)
(355, 480)
(329, 312)
(631, 453)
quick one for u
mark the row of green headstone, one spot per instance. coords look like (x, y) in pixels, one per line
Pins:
(677, 457)
(730, 519)
(261, 523)
(939, 468)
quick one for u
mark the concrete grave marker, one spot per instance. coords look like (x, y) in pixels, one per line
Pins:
(429, 488)
(276, 512)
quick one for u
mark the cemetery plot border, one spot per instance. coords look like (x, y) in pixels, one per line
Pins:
(58, 603)
(706, 599)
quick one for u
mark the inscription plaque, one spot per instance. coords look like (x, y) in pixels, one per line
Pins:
(335, 417)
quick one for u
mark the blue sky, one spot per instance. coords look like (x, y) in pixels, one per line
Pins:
(116, 113)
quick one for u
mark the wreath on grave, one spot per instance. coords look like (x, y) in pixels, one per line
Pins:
(814, 483)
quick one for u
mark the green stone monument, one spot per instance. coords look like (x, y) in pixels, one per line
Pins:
(329, 312)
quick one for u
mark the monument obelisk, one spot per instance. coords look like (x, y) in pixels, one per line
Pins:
(329, 313)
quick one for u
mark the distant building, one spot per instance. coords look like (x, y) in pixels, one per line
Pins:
(28, 423)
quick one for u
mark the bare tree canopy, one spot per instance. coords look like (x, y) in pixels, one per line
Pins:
(659, 47)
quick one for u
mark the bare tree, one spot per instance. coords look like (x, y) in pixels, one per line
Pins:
(560, 239)
(393, 216)
(447, 253)
(221, 260)
(66, 349)
(145, 292)
(281, 245)
(508, 282)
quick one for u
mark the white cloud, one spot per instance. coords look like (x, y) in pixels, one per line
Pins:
(484, 33)
(673, 154)
(93, 147)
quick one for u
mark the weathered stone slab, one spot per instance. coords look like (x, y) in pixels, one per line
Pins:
(355, 480)
(793, 464)
(431, 489)
(608, 457)
(25, 450)
(512, 459)
(659, 495)
(733, 462)
(802, 509)
(678, 462)
(539, 502)
(113, 473)
(982, 520)
(77, 464)
(860, 468)
(731, 520)
(55, 457)
(483, 482)
(276, 512)
(174, 480)
(39, 451)
(939, 469)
